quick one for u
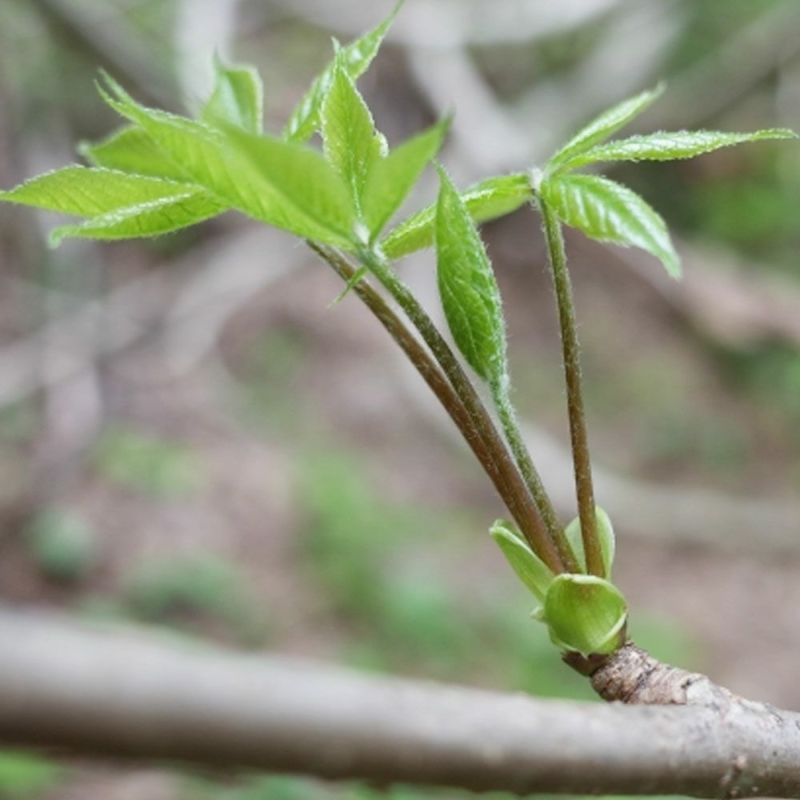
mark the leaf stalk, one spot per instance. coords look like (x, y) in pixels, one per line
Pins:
(572, 371)
(507, 483)
(528, 515)
(508, 420)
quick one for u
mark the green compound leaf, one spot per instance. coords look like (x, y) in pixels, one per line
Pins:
(585, 614)
(304, 121)
(237, 97)
(609, 212)
(672, 145)
(605, 533)
(602, 127)
(351, 143)
(489, 199)
(130, 149)
(152, 218)
(393, 177)
(283, 184)
(86, 191)
(529, 568)
(470, 297)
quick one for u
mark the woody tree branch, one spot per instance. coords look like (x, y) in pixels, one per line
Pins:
(122, 694)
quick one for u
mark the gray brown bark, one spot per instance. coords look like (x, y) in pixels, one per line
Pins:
(125, 694)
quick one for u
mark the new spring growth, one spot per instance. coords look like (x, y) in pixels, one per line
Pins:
(584, 614)
(161, 172)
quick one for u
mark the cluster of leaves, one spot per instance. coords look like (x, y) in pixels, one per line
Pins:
(162, 172)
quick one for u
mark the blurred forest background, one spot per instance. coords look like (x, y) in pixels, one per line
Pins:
(192, 437)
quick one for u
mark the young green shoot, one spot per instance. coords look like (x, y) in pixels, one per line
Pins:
(161, 172)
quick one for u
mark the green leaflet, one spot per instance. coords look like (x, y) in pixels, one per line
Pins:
(237, 97)
(489, 199)
(306, 195)
(605, 533)
(86, 191)
(151, 218)
(392, 178)
(283, 184)
(304, 121)
(130, 149)
(602, 126)
(609, 212)
(585, 614)
(671, 145)
(351, 143)
(470, 297)
(119, 205)
(198, 150)
(529, 568)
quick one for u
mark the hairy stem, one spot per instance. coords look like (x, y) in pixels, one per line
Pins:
(572, 371)
(509, 487)
(508, 419)
(531, 523)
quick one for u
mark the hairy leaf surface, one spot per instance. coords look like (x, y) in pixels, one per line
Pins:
(352, 145)
(306, 195)
(603, 126)
(87, 191)
(152, 218)
(304, 121)
(393, 177)
(487, 200)
(237, 97)
(467, 286)
(671, 145)
(130, 149)
(283, 184)
(609, 212)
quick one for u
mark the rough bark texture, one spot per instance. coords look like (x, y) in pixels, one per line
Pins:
(124, 694)
(632, 675)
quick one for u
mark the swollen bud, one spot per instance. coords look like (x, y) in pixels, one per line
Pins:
(585, 614)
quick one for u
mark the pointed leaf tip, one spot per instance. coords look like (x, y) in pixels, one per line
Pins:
(529, 568)
(603, 126)
(673, 145)
(351, 143)
(605, 533)
(304, 121)
(237, 97)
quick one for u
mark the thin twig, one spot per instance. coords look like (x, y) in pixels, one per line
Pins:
(510, 423)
